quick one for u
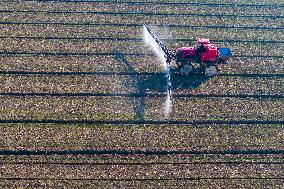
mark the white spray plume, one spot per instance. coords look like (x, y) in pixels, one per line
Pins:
(149, 41)
(168, 105)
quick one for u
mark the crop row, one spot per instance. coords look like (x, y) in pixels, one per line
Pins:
(32, 45)
(216, 109)
(125, 63)
(122, 108)
(253, 65)
(203, 183)
(231, 2)
(76, 63)
(68, 84)
(136, 32)
(139, 19)
(101, 7)
(163, 184)
(66, 108)
(148, 137)
(141, 172)
(243, 158)
(116, 63)
(141, 84)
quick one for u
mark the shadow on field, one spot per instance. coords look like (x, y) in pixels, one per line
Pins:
(189, 82)
(154, 83)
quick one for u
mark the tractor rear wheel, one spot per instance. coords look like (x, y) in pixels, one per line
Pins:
(210, 71)
(186, 69)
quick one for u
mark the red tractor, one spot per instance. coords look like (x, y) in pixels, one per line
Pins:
(205, 56)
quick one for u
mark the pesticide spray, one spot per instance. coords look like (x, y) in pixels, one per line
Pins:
(161, 52)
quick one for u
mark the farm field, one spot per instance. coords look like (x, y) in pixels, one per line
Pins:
(82, 96)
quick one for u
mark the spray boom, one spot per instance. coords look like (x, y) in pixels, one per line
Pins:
(168, 54)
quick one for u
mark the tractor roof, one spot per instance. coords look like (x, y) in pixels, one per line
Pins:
(202, 41)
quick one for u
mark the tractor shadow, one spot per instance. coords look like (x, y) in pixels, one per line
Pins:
(190, 82)
(156, 83)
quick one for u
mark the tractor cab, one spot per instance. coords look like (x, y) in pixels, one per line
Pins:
(206, 51)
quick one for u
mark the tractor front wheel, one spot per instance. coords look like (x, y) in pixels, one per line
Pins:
(210, 71)
(186, 69)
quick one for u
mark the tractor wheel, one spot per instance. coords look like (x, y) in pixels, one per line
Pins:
(210, 71)
(186, 69)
